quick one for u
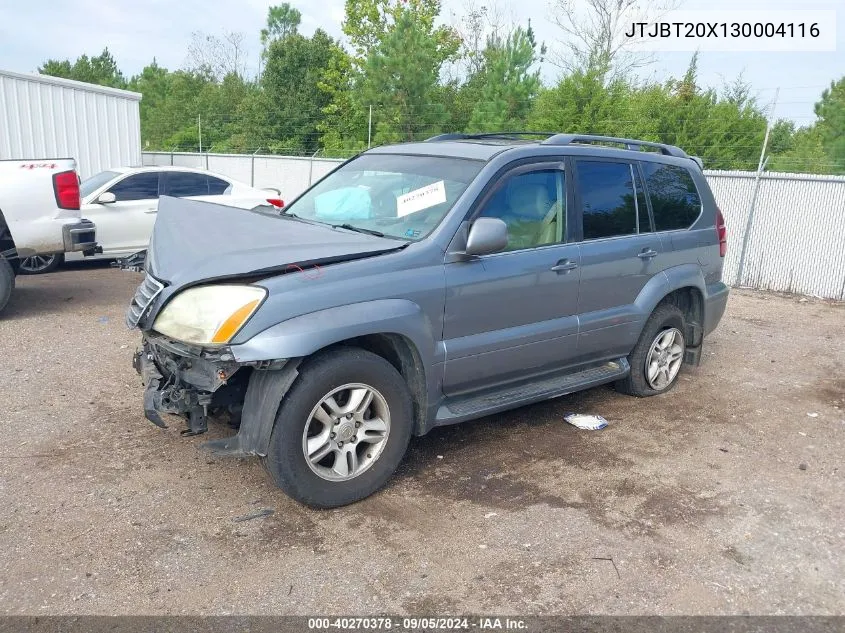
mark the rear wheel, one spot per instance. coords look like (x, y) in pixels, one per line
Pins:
(40, 264)
(341, 430)
(7, 281)
(657, 358)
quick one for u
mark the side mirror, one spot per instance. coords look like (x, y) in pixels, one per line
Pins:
(106, 198)
(486, 236)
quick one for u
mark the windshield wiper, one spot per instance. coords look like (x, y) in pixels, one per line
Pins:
(358, 229)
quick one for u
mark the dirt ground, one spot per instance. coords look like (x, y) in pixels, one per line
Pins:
(726, 496)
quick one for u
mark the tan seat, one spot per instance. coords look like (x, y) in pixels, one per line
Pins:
(533, 217)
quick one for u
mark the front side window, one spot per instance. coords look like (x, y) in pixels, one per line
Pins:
(532, 205)
(608, 199)
(90, 185)
(674, 199)
(402, 196)
(138, 187)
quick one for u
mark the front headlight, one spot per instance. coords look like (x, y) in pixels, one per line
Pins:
(209, 315)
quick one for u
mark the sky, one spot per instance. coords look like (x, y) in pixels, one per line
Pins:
(136, 31)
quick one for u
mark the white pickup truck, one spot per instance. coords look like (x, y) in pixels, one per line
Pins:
(39, 214)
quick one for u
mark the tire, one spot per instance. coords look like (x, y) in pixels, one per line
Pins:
(7, 281)
(666, 318)
(41, 264)
(295, 429)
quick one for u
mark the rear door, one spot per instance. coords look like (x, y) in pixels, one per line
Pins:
(676, 206)
(619, 254)
(125, 225)
(512, 314)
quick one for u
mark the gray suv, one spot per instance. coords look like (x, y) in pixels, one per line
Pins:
(425, 284)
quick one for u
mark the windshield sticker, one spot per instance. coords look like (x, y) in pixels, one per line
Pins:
(420, 199)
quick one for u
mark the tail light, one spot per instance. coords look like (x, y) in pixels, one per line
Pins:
(276, 202)
(66, 189)
(721, 233)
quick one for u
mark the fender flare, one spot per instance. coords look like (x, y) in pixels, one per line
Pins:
(671, 279)
(300, 337)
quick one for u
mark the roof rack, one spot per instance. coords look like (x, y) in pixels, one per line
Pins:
(487, 135)
(629, 143)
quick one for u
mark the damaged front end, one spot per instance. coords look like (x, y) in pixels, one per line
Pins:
(189, 381)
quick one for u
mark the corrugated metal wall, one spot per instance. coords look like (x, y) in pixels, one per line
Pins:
(796, 243)
(47, 117)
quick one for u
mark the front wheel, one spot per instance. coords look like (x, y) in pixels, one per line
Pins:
(341, 430)
(657, 358)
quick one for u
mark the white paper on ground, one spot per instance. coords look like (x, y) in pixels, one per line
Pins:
(586, 422)
(421, 198)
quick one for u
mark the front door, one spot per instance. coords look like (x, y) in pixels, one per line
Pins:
(620, 253)
(125, 225)
(511, 315)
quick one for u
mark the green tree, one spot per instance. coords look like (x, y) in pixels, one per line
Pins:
(830, 111)
(282, 20)
(804, 154)
(291, 97)
(781, 137)
(369, 22)
(343, 125)
(400, 77)
(509, 82)
(101, 70)
(725, 131)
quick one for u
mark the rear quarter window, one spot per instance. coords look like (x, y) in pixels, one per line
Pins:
(217, 187)
(675, 201)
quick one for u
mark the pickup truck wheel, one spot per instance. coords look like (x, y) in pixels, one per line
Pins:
(40, 264)
(341, 430)
(657, 358)
(7, 281)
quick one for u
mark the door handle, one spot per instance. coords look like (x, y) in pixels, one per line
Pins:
(564, 266)
(647, 254)
(152, 210)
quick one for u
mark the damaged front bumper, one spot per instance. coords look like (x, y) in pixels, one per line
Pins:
(193, 382)
(186, 381)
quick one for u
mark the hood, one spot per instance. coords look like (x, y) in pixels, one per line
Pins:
(196, 241)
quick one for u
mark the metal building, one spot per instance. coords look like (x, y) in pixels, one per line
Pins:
(48, 117)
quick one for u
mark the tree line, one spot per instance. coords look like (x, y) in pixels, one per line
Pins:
(403, 74)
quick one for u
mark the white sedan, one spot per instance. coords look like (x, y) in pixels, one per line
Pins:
(123, 202)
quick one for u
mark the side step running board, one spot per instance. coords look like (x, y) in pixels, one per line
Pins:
(477, 405)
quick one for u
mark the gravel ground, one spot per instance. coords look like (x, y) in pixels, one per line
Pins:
(726, 496)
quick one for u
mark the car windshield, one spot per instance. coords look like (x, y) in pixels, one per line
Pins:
(400, 196)
(90, 185)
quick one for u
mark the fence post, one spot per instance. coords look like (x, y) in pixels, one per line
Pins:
(750, 223)
(311, 168)
(761, 165)
(252, 168)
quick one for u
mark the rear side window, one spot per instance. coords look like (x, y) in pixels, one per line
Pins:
(138, 187)
(674, 199)
(608, 199)
(216, 186)
(182, 184)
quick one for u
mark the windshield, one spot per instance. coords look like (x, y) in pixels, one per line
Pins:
(90, 185)
(398, 195)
